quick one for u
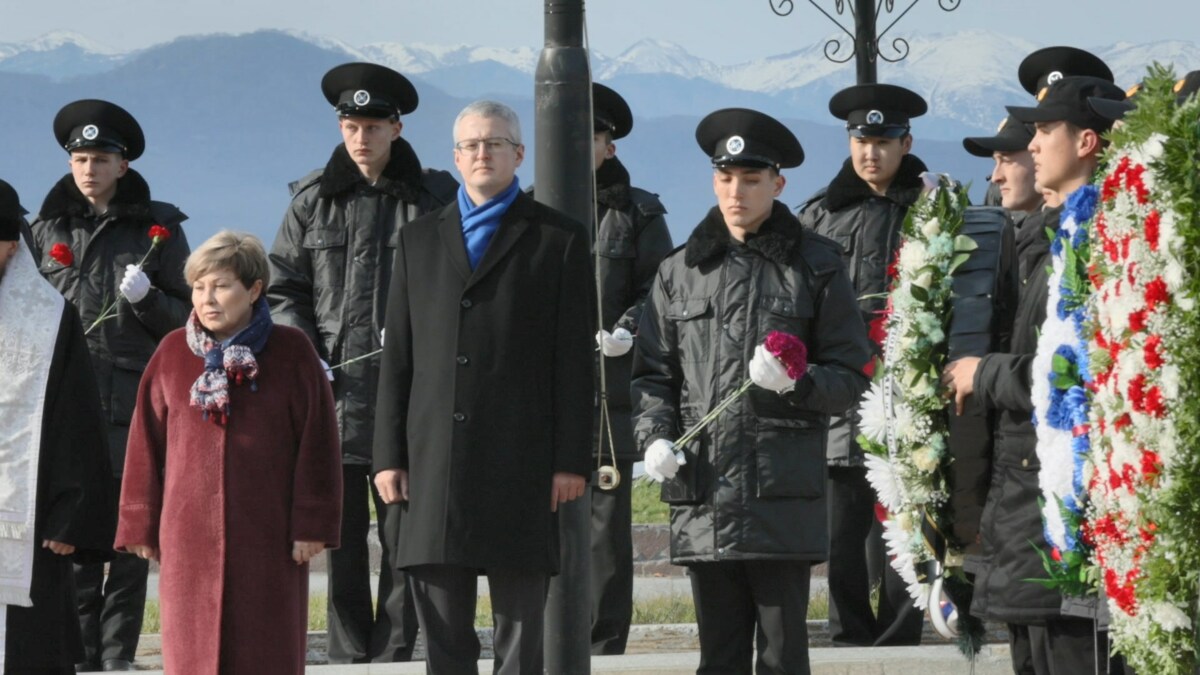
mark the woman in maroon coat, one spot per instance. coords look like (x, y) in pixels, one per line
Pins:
(233, 473)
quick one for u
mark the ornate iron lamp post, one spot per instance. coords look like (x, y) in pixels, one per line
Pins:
(867, 42)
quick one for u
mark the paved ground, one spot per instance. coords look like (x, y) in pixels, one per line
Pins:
(933, 660)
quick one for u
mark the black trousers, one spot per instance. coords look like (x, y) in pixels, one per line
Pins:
(358, 632)
(445, 599)
(851, 619)
(1064, 646)
(111, 609)
(612, 563)
(746, 603)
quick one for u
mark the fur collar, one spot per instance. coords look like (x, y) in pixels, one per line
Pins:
(401, 177)
(777, 240)
(612, 185)
(130, 203)
(848, 189)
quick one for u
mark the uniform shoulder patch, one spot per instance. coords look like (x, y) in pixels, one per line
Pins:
(312, 178)
(647, 202)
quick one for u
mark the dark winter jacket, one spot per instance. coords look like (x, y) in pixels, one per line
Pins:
(867, 226)
(1011, 526)
(632, 239)
(101, 246)
(331, 264)
(754, 483)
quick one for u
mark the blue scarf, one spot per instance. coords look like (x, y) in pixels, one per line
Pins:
(223, 362)
(479, 223)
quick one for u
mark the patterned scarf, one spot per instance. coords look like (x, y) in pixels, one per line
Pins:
(210, 392)
(480, 222)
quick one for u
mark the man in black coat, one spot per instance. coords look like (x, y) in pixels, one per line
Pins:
(330, 268)
(747, 496)
(484, 414)
(631, 240)
(1066, 149)
(93, 243)
(863, 210)
(57, 496)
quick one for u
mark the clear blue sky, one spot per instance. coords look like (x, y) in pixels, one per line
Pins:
(723, 31)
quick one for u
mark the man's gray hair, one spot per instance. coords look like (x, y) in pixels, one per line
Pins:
(493, 109)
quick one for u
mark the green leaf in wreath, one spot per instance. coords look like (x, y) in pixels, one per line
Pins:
(964, 244)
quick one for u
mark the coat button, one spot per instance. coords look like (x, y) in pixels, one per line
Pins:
(466, 303)
(459, 417)
(462, 360)
(1025, 462)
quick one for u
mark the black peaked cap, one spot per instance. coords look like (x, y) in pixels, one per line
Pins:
(877, 109)
(1046, 66)
(610, 112)
(368, 90)
(92, 123)
(1011, 136)
(743, 137)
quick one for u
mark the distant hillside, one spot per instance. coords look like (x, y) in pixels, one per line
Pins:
(225, 139)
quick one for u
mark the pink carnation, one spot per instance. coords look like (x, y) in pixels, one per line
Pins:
(790, 351)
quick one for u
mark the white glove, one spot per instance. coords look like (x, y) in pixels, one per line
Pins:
(328, 370)
(767, 372)
(135, 285)
(663, 460)
(616, 343)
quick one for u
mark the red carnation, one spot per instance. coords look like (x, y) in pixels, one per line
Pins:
(1152, 351)
(1155, 405)
(790, 351)
(1055, 555)
(1153, 221)
(1151, 464)
(61, 253)
(878, 329)
(158, 233)
(1156, 292)
(1137, 321)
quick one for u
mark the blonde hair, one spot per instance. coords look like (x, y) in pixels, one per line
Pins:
(241, 253)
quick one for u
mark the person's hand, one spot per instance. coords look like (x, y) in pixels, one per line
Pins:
(959, 378)
(303, 551)
(328, 370)
(567, 488)
(616, 343)
(392, 485)
(768, 372)
(663, 460)
(135, 285)
(143, 552)
(58, 547)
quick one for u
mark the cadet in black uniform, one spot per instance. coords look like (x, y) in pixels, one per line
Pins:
(92, 239)
(331, 266)
(863, 210)
(631, 239)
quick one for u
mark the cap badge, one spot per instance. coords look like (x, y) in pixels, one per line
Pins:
(1132, 91)
(90, 132)
(1178, 87)
(874, 117)
(1003, 123)
(362, 97)
(1042, 94)
(735, 145)
(1054, 76)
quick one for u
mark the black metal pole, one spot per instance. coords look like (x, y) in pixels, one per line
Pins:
(563, 178)
(864, 41)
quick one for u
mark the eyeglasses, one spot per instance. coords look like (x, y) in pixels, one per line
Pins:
(492, 145)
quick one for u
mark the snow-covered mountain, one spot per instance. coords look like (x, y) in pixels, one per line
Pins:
(224, 140)
(966, 76)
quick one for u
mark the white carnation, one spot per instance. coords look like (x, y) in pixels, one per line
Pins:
(931, 228)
